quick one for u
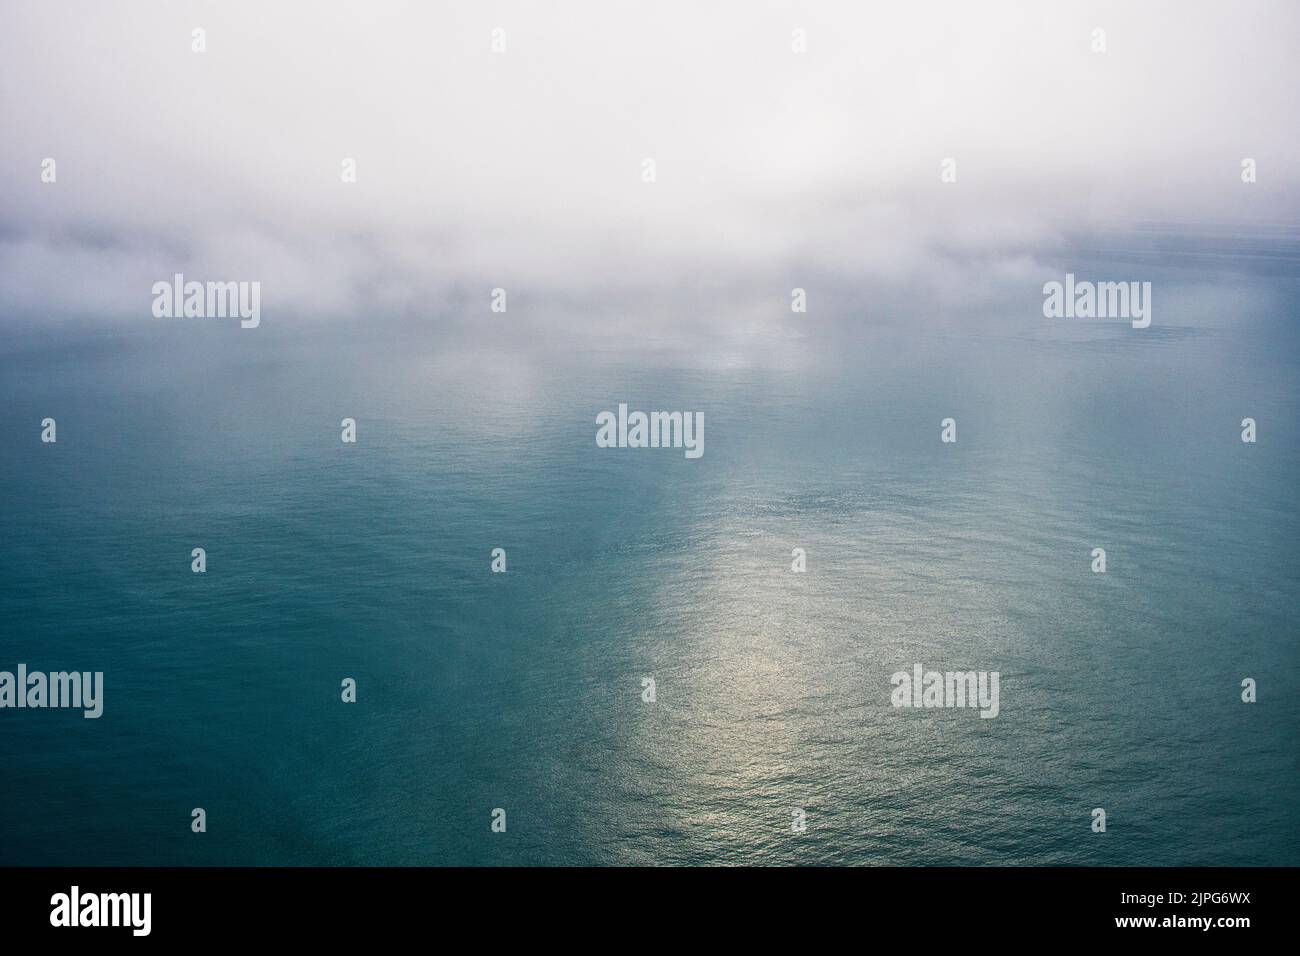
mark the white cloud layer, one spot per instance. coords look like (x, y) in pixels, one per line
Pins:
(523, 169)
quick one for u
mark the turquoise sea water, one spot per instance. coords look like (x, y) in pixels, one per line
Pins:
(523, 690)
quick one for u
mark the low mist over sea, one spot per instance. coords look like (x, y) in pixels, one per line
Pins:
(589, 433)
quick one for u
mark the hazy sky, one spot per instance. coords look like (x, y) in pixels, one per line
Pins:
(523, 169)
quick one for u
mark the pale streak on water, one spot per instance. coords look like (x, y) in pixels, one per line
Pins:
(523, 691)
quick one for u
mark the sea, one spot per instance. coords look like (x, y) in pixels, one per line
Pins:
(523, 697)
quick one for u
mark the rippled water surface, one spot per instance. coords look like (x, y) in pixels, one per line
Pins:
(523, 690)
